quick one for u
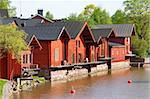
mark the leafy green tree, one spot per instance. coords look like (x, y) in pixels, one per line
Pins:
(5, 4)
(119, 17)
(73, 17)
(139, 14)
(93, 15)
(140, 46)
(49, 15)
(88, 11)
(101, 16)
(12, 40)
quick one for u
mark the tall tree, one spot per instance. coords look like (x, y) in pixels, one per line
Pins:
(119, 17)
(88, 11)
(12, 40)
(49, 15)
(73, 17)
(139, 14)
(93, 15)
(5, 4)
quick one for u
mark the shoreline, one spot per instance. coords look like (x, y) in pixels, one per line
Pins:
(61, 77)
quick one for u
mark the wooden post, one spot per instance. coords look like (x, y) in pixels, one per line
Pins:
(89, 69)
(109, 64)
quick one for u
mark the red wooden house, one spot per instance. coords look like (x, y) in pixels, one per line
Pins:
(102, 43)
(54, 43)
(120, 44)
(81, 45)
(10, 67)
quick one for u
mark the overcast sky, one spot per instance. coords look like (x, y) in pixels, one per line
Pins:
(62, 8)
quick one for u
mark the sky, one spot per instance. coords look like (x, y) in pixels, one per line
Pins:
(62, 8)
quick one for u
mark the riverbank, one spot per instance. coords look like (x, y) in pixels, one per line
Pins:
(64, 75)
(70, 75)
(2, 83)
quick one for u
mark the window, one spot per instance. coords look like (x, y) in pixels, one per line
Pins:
(24, 59)
(56, 54)
(30, 58)
(103, 50)
(73, 60)
(80, 57)
(77, 43)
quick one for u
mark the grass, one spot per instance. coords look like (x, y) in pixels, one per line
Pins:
(2, 82)
(41, 79)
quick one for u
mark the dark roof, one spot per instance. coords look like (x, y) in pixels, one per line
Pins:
(3, 13)
(121, 30)
(101, 33)
(73, 27)
(115, 44)
(20, 22)
(33, 17)
(44, 32)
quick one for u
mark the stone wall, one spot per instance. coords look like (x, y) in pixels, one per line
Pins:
(65, 75)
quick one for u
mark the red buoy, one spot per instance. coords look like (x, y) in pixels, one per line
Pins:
(72, 91)
(129, 81)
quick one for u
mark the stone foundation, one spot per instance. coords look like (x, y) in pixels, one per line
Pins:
(64, 75)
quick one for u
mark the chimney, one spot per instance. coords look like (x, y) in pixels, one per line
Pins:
(40, 12)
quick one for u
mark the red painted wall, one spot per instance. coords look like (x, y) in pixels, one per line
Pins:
(56, 48)
(103, 46)
(9, 66)
(41, 56)
(118, 53)
(123, 40)
(72, 51)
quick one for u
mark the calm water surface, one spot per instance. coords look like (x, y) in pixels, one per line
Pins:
(104, 85)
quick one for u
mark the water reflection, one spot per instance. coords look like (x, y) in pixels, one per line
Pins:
(104, 85)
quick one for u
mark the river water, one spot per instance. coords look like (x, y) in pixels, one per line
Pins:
(104, 85)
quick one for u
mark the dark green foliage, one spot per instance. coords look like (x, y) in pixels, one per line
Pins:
(93, 15)
(49, 15)
(5, 4)
(139, 14)
(119, 17)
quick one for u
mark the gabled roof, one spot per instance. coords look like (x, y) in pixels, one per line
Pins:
(31, 38)
(99, 33)
(121, 30)
(45, 32)
(41, 17)
(73, 27)
(3, 13)
(19, 22)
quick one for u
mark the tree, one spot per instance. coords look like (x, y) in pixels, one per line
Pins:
(119, 17)
(139, 14)
(12, 40)
(101, 16)
(5, 4)
(73, 17)
(88, 11)
(93, 15)
(49, 15)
